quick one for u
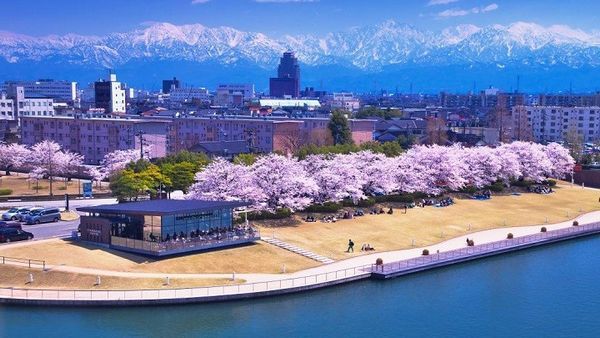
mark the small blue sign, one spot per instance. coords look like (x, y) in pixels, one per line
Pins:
(87, 189)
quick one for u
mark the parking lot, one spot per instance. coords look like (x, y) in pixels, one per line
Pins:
(62, 228)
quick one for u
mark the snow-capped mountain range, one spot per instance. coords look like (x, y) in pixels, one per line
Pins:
(380, 50)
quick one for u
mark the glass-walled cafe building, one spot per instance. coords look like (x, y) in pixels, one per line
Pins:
(165, 227)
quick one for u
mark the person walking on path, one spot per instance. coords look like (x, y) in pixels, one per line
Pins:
(350, 246)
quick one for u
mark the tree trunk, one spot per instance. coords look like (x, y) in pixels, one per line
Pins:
(51, 179)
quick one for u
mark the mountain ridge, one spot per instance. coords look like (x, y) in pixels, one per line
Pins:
(372, 49)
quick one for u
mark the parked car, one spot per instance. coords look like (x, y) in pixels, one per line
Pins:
(12, 214)
(21, 215)
(43, 215)
(11, 235)
(10, 224)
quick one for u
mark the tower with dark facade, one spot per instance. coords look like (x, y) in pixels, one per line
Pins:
(287, 82)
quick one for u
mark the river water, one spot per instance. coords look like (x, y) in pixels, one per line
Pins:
(552, 291)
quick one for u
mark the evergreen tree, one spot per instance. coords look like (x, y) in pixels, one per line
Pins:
(340, 130)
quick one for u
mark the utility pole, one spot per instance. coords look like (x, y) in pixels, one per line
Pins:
(140, 134)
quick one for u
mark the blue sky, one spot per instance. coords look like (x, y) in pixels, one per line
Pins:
(279, 17)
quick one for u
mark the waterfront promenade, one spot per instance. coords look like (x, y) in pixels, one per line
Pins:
(362, 267)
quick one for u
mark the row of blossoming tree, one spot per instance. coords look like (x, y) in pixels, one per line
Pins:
(45, 159)
(276, 181)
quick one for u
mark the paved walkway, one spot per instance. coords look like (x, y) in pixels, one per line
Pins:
(481, 237)
(302, 252)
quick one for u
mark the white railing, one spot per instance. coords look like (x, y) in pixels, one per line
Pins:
(483, 249)
(182, 293)
(289, 284)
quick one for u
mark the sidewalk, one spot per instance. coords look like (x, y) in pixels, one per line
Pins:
(481, 237)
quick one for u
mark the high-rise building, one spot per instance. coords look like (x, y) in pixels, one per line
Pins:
(110, 95)
(169, 85)
(287, 82)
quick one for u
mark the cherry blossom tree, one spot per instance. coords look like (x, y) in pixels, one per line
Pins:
(335, 178)
(118, 160)
(283, 183)
(47, 157)
(35, 176)
(510, 166)
(375, 171)
(533, 161)
(14, 156)
(223, 180)
(562, 161)
(482, 166)
(439, 168)
(96, 174)
(71, 163)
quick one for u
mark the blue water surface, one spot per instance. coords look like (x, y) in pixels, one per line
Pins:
(552, 291)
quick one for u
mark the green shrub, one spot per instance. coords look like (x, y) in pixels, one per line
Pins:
(469, 190)
(278, 214)
(325, 207)
(509, 236)
(425, 252)
(551, 183)
(368, 202)
(522, 183)
(399, 198)
(496, 187)
(4, 192)
(62, 187)
(543, 229)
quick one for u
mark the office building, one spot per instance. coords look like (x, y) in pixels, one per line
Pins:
(25, 104)
(345, 101)
(7, 111)
(189, 95)
(234, 95)
(168, 85)
(110, 95)
(59, 91)
(287, 82)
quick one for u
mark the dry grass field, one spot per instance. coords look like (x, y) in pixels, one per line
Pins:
(384, 232)
(21, 186)
(256, 258)
(431, 225)
(12, 276)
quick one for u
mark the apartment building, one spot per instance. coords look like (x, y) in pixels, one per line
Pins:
(553, 123)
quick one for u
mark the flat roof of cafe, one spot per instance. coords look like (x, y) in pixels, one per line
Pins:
(162, 207)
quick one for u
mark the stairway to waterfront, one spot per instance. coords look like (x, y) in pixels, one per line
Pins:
(297, 250)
